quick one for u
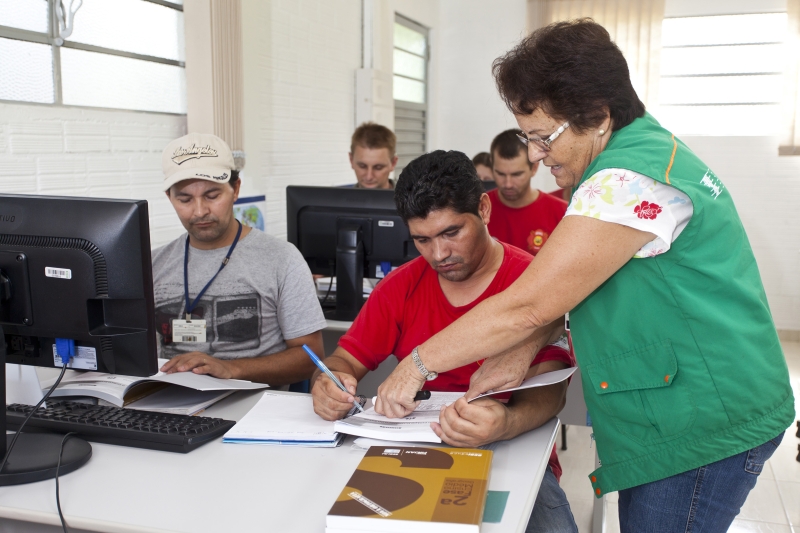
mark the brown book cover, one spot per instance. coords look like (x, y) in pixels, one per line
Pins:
(397, 489)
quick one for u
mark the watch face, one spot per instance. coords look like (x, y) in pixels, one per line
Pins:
(431, 375)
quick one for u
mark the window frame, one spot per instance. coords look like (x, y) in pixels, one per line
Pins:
(661, 104)
(49, 38)
(405, 109)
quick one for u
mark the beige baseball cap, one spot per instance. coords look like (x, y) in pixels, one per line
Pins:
(197, 156)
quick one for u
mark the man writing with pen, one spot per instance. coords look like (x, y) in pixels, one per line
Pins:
(441, 199)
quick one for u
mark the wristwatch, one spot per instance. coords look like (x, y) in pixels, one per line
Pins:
(424, 371)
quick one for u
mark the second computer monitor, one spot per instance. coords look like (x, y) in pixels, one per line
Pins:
(348, 234)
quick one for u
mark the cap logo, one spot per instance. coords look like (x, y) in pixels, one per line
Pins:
(222, 177)
(182, 154)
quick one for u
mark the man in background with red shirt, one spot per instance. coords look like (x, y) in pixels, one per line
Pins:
(521, 215)
(441, 199)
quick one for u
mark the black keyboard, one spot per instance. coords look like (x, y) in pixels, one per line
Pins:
(119, 426)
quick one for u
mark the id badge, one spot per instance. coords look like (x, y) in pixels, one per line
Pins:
(188, 330)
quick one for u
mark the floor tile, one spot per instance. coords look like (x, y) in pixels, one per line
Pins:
(750, 526)
(764, 504)
(582, 512)
(784, 461)
(612, 517)
(790, 494)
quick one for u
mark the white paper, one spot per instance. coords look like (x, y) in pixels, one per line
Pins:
(22, 385)
(542, 380)
(282, 417)
(415, 427)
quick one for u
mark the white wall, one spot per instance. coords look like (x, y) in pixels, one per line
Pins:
(472, 34)
(74, 151)
(764, 186)
(299, 59)
(469, 111)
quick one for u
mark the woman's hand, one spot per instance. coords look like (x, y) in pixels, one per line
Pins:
(501, 372)
(396, 394)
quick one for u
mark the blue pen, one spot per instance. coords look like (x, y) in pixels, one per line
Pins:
(321, 366)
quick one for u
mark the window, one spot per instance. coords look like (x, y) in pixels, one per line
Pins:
(125, 54)
(410, 89)
(722, 75)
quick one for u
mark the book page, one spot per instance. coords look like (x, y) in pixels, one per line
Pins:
(542, 380)
(282, 417)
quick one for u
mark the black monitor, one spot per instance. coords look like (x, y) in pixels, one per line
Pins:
(347, 233)
(76, 269)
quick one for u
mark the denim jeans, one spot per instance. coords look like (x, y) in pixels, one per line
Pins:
(551, 512)
(705, 500)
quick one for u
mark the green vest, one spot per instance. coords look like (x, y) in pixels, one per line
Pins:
(680, 360)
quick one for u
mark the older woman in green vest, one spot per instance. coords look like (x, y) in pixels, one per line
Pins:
(683, 373)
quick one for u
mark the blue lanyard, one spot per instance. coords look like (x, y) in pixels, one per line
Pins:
(191, 305)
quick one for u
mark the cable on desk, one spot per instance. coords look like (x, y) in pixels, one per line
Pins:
(65, 348)
(58, 467)
(16, 435)
(330, 285)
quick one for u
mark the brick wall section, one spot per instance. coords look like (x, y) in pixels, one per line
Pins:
(76, 151)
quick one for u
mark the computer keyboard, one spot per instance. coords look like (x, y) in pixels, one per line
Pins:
(119, 426)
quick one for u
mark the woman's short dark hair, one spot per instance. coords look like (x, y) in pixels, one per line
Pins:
(570, 70)
(438, 180)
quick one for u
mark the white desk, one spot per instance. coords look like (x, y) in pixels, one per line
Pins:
(238, 488)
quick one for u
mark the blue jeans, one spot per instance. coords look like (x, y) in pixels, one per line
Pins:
(705, 500)
(551, 512)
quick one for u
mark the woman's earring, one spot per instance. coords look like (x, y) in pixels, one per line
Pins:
(601, 132)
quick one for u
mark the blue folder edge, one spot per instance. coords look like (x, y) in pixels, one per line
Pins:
(495, 506)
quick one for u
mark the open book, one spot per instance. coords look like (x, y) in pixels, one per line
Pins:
(178, 393)
(416, 426)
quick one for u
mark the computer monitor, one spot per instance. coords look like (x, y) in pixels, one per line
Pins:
(347, 233)
(77, 269)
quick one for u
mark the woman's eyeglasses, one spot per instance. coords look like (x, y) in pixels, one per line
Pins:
(542, 144)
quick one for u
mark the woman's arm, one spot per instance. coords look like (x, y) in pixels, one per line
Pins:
(578, 257)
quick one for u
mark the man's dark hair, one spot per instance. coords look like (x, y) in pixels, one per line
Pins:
(482, 158)
(508, 146)
(571, 71)
(438, 180)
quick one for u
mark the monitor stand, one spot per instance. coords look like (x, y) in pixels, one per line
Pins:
(349, 273)
(35, 455)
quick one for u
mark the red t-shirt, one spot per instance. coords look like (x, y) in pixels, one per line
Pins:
(526, 227)
(408, 307)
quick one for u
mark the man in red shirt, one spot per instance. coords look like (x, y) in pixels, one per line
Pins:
(521, 215)
(440, 197)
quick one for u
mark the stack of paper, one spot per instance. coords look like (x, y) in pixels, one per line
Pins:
(416, 427)
(284, 420)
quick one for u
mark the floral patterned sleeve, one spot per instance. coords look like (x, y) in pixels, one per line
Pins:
(633, 200)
